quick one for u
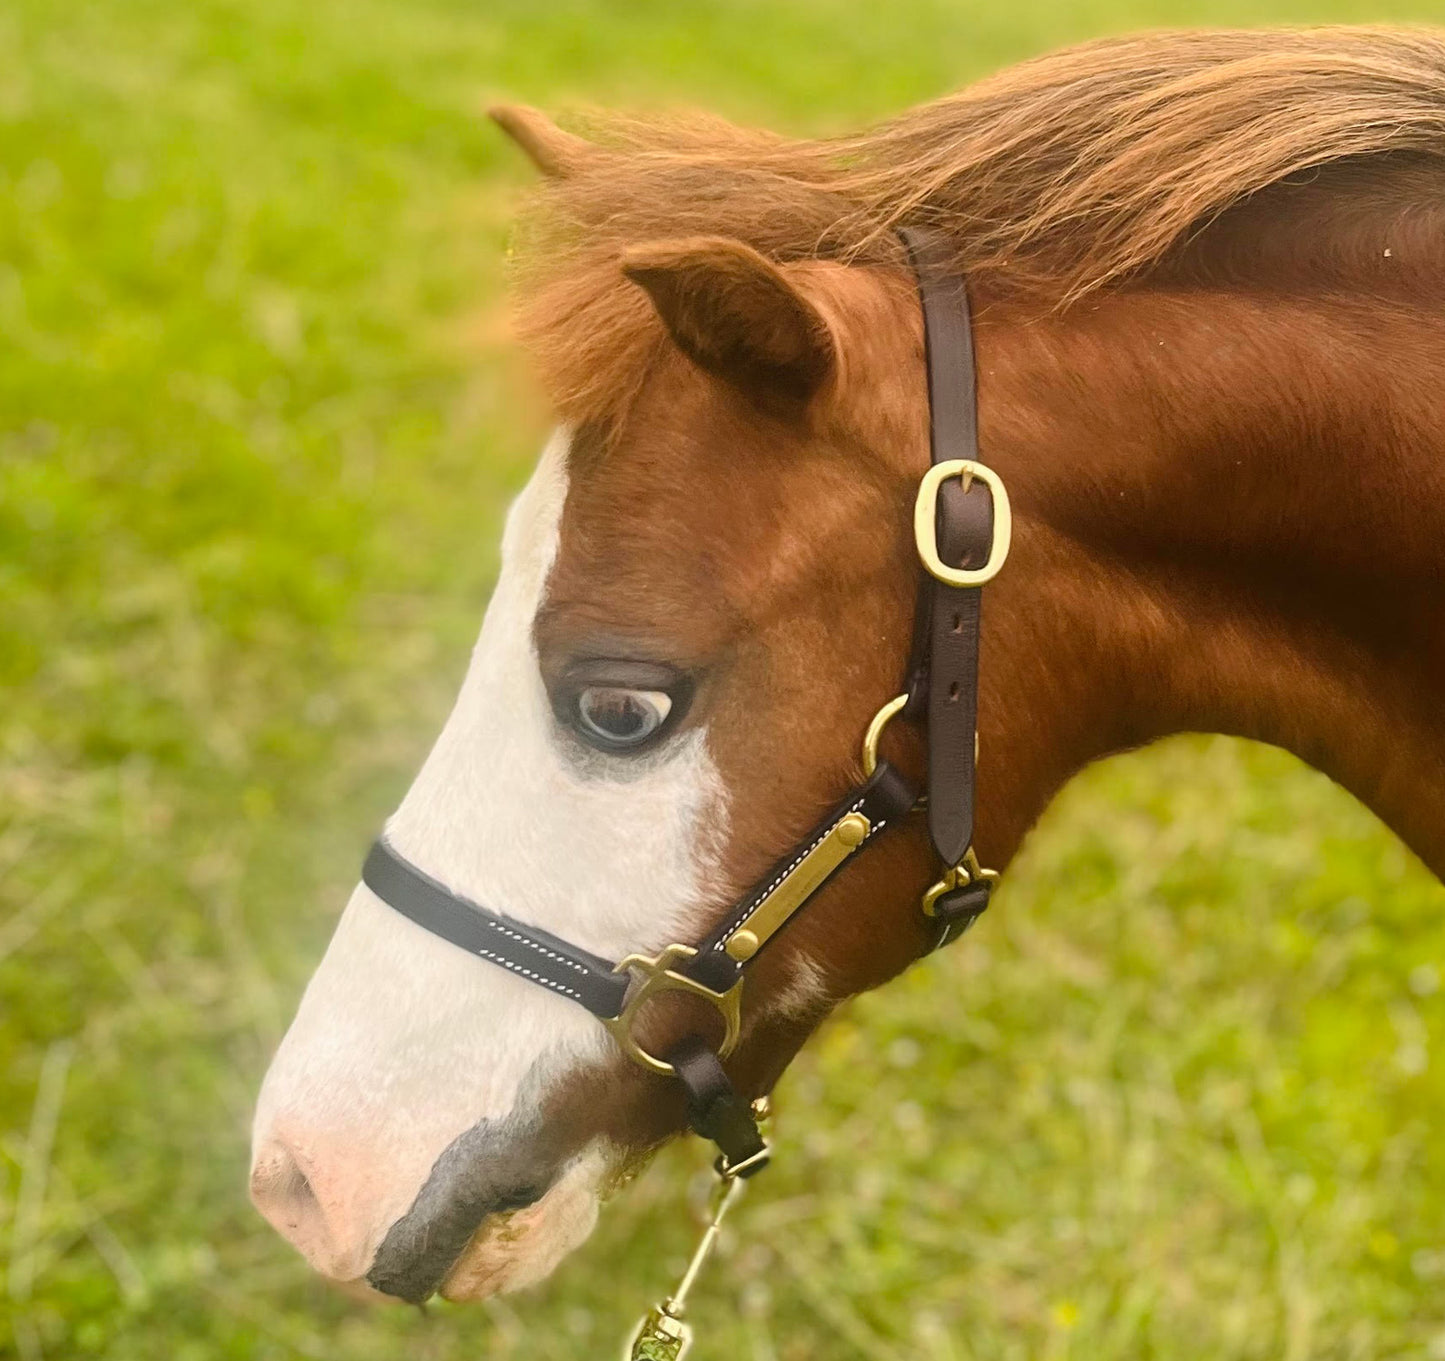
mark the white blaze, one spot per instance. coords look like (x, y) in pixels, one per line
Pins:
(402, 1040)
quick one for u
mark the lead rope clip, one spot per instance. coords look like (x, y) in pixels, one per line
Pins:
(663, 1334)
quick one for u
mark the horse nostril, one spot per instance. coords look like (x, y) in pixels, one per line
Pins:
(281, 1190)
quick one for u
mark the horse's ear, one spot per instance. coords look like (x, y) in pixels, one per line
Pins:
(735, 314)
(555, 153)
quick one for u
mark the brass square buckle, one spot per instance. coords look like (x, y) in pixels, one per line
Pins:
(925, 523)
(657, 975)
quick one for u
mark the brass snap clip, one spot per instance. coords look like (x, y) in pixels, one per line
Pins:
(967, 871)
(657, 974)
(663, 1333)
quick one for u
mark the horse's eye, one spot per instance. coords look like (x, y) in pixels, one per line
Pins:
(618, 719)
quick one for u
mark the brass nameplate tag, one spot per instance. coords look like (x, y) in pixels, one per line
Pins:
(797, 886)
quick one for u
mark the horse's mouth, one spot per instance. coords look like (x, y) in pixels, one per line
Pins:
(515, 1248)
(487, 1178)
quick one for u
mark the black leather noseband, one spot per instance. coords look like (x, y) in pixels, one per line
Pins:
(961, 525)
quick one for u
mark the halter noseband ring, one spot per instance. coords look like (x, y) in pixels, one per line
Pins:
(962, 528)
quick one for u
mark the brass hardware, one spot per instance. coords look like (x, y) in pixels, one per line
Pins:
(662, 1335)
(657, 976)
(733, 1171)
(659, 1337)
(925, 527)
(967, 871)
(743, 944)
(874, 735)
(797, 886)
(852, 831)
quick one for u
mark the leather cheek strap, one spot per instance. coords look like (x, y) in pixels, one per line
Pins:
(943, 666)
(945, 647)
(884, 798)
(965, 533)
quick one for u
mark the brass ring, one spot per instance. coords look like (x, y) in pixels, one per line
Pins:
(657, 976)
(871, 738)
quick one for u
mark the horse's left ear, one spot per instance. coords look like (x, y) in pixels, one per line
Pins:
(735, 314)
(557, 154)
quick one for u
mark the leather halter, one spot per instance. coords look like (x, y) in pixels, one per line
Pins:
(961, 525)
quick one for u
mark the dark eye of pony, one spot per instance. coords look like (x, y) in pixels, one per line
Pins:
(620, 705)
(615, 718)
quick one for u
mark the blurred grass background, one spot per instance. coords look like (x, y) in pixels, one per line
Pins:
(1176, 1097)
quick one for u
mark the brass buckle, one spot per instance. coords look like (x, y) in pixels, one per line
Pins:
(925, 524)
(967, 871)
(658, 976)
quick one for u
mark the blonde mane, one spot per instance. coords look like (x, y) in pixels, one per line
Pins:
(1077, 171)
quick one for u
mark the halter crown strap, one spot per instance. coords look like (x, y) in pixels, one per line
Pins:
(969, 516)
(964, 534)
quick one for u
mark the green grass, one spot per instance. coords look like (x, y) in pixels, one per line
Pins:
(1176, 1097)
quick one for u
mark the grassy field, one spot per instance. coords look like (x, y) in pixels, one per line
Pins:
(1176, 1097)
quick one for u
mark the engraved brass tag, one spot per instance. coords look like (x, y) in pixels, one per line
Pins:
(660, 1337)
(797, 886)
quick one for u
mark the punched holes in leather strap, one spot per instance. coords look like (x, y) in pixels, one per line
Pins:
(965, 530)
(963, 533)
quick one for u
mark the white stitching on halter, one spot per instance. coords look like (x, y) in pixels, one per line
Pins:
(533, 945)
(528, 973)
(793, 864)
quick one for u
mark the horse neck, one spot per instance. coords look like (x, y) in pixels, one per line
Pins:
(1232, 519)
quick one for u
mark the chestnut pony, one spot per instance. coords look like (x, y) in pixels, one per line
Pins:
(1208, 276)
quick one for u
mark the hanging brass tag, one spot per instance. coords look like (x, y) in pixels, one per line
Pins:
(662, 1335)
(659, 1337)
